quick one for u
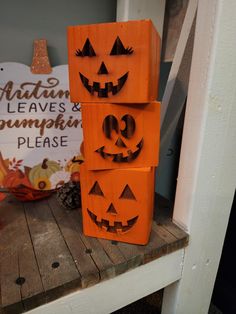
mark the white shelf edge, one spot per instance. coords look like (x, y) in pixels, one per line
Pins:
(112, 294)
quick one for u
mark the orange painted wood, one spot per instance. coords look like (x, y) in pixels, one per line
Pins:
(118, 204)
(114, 62)
(121, 136)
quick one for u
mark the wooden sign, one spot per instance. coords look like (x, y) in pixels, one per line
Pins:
(114, 62)
(121, 136)
(40, 129)
(122, 211)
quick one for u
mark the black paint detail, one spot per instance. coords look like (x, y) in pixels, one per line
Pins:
(109, 87)
(119, 49)
(87, 50)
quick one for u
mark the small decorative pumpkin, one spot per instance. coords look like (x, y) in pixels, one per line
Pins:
(121, 136)
(114, 62)
(74, 164)
(121, 211)
(19, 185)
(40, 174)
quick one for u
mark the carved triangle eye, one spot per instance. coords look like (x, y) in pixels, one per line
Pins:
(87, 50)
(127, 193)
(119, 49)
(96, 190)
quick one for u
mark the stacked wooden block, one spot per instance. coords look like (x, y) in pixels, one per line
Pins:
(114, 74)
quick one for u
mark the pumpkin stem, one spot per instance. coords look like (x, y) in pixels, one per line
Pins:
(44, 164)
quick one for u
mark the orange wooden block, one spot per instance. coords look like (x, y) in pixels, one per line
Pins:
(121, 136)
(114, 62)
(118, 204)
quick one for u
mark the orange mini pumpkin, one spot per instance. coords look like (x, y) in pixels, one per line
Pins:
(118, 204)
(119, 136)
(114, 62)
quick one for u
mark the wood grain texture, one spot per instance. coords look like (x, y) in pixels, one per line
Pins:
(131, 75)
(55, 262)
(174, 17)
(43, 243)
(140, 148)
(109, 216)
(17, 260)
(71, 232)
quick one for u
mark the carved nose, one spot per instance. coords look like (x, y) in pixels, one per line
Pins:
(102, 69)
(120, 143)
(112, 210)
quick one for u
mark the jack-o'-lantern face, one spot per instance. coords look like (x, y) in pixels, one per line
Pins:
(117, 204)
(113, 62)
(110, 221)
(103, 87)
(120, 136)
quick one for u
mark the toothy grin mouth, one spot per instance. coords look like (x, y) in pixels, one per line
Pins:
(109, 87)
(118, 226)
(120, 157)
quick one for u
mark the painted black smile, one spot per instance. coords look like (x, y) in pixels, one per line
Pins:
(120, 157)
(109, 87)
(118, 226)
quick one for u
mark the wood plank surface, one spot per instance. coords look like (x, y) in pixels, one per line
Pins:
(56, 265)
(115, 255)
(17, 260)
(44, 249)
(96, 251)
(71, 231)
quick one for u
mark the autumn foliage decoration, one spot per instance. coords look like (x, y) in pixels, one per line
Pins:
(39, 181)
(16, 181)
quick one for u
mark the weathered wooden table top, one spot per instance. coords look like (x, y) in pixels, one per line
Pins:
(45, 255)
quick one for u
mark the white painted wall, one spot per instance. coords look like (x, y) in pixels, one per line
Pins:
(207, 172)
(139, 9)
